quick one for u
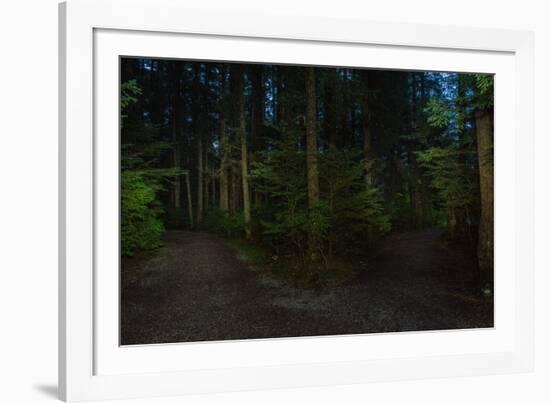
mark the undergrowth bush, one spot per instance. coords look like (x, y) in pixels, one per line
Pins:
(140, 214)
(221, 222)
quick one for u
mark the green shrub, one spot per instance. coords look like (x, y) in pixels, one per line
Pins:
(281, 174)
(348, 216)
(356, 214)
(140, 215)
(221, 222)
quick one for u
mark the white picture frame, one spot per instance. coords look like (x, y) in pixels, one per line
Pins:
(94, 33)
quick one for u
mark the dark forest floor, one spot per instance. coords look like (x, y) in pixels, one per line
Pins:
(197, 288)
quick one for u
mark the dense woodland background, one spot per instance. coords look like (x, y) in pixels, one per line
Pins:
(316, 165)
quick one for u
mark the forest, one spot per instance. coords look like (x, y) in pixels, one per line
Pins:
(311, 173)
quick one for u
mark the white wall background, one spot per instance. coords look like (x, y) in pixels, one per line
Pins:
(28, 200)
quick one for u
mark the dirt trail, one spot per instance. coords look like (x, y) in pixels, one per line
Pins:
(197, 288)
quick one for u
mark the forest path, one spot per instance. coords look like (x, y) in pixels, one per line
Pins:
(196, 287)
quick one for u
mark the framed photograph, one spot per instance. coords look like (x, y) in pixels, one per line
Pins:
(266, 201)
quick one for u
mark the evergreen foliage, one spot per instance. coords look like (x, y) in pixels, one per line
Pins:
(141, 227)
(140, 209)
(226, 148)
(355, 208)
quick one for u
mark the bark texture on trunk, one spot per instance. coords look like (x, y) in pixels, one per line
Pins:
(244, 154)
(176, 191)
(329, 109)
(189, 199)
(368, 153)
(311, 155)
(484, 132)
(207, 177)
(257, 105)
(200, 179)
(199, 127)
(311, 139)
(257, 115)
(224, 188)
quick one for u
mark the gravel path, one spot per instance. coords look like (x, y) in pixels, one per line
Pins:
(196, 288)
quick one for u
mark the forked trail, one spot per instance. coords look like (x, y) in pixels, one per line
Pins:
(197, 288)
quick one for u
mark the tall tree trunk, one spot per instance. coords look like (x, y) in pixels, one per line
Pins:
(415, 181)
(485, 156)
(368, 154)
(177, 183)
(224, 146)
(281, 114)
(199, 127)
(451, 222)
(329, 107)
(207, 178)
(425, 189)
(311, 139)
(233, 189)
(416, 190)
(207, 140)
(224, 189)
(200, 174)
(346, 108)
(214, 185)
(257, 113)
(176, 191)
(311, 151)
(244, 153)
(189, 199)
